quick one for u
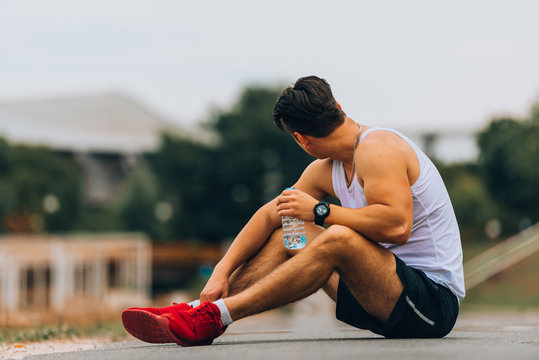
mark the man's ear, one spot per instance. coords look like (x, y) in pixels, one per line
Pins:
(303, 140)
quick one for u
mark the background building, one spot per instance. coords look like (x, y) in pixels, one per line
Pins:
(70, 275)
(105, 134)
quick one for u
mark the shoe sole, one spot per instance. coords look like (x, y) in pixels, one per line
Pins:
(152, 328)
(149, 327)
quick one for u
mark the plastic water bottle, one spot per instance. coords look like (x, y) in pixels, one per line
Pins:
(293, 232)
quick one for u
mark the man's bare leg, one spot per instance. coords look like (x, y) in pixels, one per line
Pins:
(269, 257)
(367, 268)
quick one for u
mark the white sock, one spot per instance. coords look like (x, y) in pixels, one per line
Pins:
(194, 303)
(225, 315)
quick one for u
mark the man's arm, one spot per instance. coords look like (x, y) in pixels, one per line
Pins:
(388, 217)
(255, 234)
(382, 167)
(251, 238)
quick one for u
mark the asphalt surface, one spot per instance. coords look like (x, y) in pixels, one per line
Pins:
(476, 337)
(312, 332)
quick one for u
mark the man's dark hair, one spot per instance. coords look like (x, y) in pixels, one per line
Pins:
(308, 107)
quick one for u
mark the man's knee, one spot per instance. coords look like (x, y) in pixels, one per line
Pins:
(340, 240)
(341, 232)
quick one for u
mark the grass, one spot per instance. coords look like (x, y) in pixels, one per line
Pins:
(472, 249)
(112, 330)
(515, 289)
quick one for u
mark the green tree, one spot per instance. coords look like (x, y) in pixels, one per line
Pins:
(185, 170)
(39, 189)
(471, 201)
(216, 188)
(139, 201)
(509, 161)
(256, 160)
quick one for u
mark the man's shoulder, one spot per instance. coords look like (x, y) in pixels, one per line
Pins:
(380, 135)
(383, 151)
(317, 176)
(320, 166)
(383, 142)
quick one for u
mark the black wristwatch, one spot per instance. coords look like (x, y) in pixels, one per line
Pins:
(321, 212)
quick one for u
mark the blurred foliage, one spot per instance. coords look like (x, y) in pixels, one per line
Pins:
(39, 190)
(186, 177)
(502, 186)
(471, 201)
(112, 330)
(509, 164)
(38, 333)
(214, 189)
(137, 201)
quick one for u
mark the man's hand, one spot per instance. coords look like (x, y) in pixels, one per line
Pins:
(216, 288)
(297, 204)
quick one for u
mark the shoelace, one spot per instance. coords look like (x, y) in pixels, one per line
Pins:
(208, 314)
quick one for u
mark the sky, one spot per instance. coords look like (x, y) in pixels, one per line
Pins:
(428, 65)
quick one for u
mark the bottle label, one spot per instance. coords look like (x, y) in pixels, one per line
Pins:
(294, 241)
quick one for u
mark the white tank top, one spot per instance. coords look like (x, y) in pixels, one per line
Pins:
(434, 245)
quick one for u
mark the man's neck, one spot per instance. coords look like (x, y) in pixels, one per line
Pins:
(340, 143)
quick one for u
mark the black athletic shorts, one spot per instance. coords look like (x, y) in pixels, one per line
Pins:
(424, 309)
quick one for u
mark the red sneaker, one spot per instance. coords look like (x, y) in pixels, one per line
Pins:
(196, 326)
(163, 310)
(144, 323)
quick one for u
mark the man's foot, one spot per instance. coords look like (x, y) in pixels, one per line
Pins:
(143, 323)
(163, 310)
(198, 326)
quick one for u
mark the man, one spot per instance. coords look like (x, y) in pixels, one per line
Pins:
(391, 257)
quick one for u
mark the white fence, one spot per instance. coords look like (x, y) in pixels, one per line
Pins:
(46, 272)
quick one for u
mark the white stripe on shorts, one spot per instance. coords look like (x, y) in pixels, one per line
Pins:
(423, 317)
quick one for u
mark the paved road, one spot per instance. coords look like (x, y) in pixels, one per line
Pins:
(475, 337)
(312, 332)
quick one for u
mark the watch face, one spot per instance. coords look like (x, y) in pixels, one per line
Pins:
(321, 210)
